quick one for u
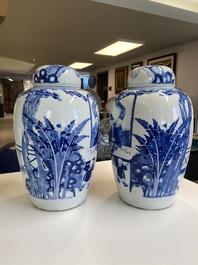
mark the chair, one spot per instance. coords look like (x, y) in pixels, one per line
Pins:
(191, 170)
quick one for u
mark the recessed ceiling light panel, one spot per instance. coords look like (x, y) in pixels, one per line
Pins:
(118, 47)
(79, 65)
(190, 5)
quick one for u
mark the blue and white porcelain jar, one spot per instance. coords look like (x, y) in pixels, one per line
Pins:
(151, 128)
(56, 133)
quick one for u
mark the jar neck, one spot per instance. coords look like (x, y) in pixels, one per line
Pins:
(46, 86)
(154, 87)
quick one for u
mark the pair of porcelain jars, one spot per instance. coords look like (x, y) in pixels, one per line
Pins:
(56, 127)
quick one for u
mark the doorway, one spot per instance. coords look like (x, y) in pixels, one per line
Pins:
(102, 86)
(11, 90)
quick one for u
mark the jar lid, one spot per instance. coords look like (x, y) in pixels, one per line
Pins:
(151, 76)
(56, 75)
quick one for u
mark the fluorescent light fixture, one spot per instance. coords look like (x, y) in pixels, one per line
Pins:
(10, 79)
(118, 47)
(190, 5)
(78, 65)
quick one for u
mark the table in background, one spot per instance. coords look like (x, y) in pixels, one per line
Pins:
(102, 230)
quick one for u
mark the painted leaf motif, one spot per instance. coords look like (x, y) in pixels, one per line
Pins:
(162, 149)
(51, 156)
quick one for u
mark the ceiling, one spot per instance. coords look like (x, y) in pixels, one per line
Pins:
(65, 31)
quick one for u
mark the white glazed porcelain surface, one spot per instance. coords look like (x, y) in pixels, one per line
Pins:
(56, 134)
(58, 75)
(150, 134)
(158, 76)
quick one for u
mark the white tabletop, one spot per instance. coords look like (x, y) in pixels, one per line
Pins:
(103, 230)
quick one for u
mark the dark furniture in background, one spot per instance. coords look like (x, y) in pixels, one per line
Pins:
(8, 159)
(192, 168)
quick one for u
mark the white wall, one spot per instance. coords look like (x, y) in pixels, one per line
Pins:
(186, 69)
(187, 72)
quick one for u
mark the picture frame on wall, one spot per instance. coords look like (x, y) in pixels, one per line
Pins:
(166, 60)
(134, 65)
(121, 75)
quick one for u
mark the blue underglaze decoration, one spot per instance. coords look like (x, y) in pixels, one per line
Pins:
(160, 157)
(51, 74)
(51, 153)
(154, 75)
(93, 111)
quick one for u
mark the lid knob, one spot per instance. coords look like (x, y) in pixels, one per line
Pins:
(56, 75)
(151, 75)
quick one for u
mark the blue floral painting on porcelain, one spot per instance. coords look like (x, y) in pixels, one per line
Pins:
(56, 127)
(150, 135)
